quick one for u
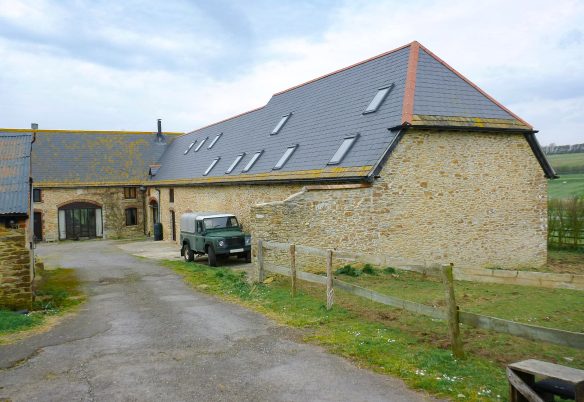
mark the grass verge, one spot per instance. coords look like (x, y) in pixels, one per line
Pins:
(58, 293)
(385, 340)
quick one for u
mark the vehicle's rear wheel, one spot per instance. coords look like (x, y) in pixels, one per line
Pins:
(211, 256)
(188, 254)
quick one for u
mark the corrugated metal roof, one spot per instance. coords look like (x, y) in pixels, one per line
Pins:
(329, 108)
(14, 172)
(66, 157)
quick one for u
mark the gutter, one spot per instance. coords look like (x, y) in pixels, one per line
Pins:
(549, 171)
(374, 174)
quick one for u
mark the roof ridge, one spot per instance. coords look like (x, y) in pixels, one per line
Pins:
(410, 84)
(469, 82)
(61, 131)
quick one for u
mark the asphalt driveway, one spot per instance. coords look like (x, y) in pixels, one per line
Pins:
(145, 335)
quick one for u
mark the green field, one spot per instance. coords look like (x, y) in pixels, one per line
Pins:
(567, 163)
(570, 168)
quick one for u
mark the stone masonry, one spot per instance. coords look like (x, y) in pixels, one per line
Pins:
(476, 200)
(15, 271)
(104, 197)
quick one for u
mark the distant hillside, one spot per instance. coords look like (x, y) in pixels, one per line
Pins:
(567, 163)
(554, 149)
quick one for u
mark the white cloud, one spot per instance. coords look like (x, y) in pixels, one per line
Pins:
(518, 51)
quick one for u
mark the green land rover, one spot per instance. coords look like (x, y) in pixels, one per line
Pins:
(218, 235)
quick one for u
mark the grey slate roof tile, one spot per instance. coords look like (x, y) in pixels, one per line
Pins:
(14, 172)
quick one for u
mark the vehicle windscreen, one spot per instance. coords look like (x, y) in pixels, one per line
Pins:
(223, 222)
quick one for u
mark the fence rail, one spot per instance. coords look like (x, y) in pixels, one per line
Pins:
(532, 332)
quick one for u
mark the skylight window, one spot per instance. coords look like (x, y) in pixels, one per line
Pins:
(235, 162)
(252, 161)
(211, 166)
(214, 141)
(201, 144)
(345, 147)
(189, 148)
(281, 123)
(378, 99)
(285, 157)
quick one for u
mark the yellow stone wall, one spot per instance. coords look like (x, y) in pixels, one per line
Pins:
(53, 198)
(476, 200)
(15, 271)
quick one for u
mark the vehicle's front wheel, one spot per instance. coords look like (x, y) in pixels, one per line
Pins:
(188, 254)
(211, 256)
(248, 256)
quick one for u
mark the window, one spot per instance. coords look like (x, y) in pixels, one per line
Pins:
(285, 157)
(378, 99)
(214, 141)
(190, 146)
(199, 227)
(252, 161)
(221, 222)
(343, 149)
(129, 192)
(201, 144)
(235, 162)
(131, 216)
(281, 123)
(37, 195)
(171, 195)
(211, 166)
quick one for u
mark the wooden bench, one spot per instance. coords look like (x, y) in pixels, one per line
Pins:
(553, 379)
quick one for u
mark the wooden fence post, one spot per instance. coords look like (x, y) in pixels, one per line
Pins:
(293, 268)
(260, 261)
(330, 292)
(452, 311)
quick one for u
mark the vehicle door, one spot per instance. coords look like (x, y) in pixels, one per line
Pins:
(199, 237)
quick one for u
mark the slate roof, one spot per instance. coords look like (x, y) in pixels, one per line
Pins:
(426, 92)
(14, 173)
(72, 158)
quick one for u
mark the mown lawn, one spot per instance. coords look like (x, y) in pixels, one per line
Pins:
(58, 292)
(568, 185)
(386, 340)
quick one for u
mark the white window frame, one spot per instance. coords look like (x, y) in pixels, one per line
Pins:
(252, 161)
(238, 159)
(286, 157)
(341, 152)
(190, 146)
(201, 144)
(378, 99)
(214, 140)
(281, 123)
(211, 166)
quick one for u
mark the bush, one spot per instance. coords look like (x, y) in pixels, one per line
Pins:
(390, 270)
(348, 270)
(369, 270)
(566, 222)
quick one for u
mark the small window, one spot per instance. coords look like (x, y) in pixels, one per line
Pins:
(378, 99)
(190, 146)
(131, 216)
(235, 162)
(281, 123)
(171, 195)
(252, 161)
(129, 192)
(346, 145)
(37, 195)
(199, 227)
(214, 141)
(201, 144)
(211, 166)
(285, 157)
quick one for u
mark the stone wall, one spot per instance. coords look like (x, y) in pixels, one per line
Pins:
(110, 199)
(476, 200)
(15, 271)
(234, 199)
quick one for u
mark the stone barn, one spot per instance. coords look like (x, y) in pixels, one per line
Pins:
(16, 272)
(398, 155)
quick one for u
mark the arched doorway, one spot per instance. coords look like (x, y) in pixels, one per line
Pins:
(155, 212)
(80, 220)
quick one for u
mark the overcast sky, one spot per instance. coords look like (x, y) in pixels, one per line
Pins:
(109, 64)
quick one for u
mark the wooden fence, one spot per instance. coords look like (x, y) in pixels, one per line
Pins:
(451, 313)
